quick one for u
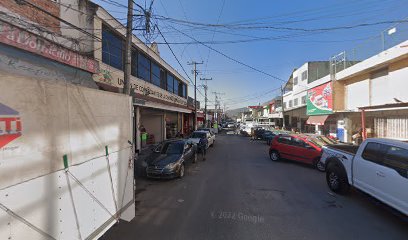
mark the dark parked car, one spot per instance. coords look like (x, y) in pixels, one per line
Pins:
(170, 163)
(259, 132)
(267, 136)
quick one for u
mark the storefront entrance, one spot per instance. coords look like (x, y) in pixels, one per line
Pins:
(172, 125)
(151, 126)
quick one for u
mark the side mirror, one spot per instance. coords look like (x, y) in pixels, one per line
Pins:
(156, 149)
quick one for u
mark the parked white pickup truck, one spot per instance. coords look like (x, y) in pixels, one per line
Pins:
(378, 167)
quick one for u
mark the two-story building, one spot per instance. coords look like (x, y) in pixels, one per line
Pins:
(79, 42)
(160, 92)
(371, 96)
(295, 94)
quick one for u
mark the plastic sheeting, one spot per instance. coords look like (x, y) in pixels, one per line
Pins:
(58, 119)
(39, 199)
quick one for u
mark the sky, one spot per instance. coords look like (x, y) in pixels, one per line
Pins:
(257, 44)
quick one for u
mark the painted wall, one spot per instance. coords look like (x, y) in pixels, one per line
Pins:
(374, 87)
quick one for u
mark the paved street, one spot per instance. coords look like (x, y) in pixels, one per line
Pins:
(238, 193)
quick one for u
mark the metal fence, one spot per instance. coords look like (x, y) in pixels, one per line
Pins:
(388, 38)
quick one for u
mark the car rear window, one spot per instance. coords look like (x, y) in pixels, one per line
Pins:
(199, 135)
(397, 159)
(173, 148)
(285, 139)
(373, 152)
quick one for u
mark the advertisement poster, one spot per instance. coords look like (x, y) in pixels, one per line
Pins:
(320, 100)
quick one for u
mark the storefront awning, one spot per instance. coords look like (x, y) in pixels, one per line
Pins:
(317, 120)
(162, 106)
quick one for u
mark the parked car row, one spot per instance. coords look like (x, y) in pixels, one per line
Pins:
(169, 158)
(378, 167)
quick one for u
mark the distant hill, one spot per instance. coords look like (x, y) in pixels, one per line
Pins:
(236, 113)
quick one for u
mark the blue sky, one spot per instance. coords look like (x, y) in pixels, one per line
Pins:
(276, 56)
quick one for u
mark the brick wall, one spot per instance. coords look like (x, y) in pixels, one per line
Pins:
(34, 15)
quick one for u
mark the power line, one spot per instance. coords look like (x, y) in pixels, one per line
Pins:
(213, 35)
(171, 50)
(230, 58)
(234, 27)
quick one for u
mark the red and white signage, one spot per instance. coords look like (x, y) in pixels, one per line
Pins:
(22, 39)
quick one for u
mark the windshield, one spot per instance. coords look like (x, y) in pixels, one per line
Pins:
(173, 148)
(328, 140)
(316, 141)
(198, 135)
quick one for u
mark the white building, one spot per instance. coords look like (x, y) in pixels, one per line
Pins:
(295, 93)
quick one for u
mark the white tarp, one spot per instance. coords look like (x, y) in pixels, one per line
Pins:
(58, 119)
(40, 121)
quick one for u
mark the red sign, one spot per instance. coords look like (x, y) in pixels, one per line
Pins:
(10, 125)
(25, 40)
(320, 100)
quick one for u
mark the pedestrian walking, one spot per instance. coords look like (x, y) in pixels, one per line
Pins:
(202, 147)
(252, 134)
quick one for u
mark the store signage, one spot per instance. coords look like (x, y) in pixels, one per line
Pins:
(10, 125)
(320, 100)
(138, 101)
(22, 39)
(114, 78)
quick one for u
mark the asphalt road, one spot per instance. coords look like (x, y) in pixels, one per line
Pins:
(238, 193)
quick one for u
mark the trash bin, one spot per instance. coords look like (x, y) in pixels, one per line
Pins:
(144, 139)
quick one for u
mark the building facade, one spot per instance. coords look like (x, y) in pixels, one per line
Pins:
(79, 42)
(159, 91)
(36, 42)
(295, 94)
(370, 97)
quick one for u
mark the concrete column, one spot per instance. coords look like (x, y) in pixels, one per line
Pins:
(138, 137)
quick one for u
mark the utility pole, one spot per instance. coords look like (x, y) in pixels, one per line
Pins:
(195, 72)
(128, 49)
(283, 108)
(205, 98)
(217, 103)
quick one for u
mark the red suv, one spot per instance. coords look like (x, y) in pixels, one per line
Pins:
(297, 148)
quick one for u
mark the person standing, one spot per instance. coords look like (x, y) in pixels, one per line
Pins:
(202, 147)
(253, 135)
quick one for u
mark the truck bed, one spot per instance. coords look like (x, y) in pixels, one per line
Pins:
(351, 149)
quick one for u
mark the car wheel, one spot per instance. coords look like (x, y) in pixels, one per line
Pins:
(319, 165)
(181, 171)
(336, 179)
(274, 156)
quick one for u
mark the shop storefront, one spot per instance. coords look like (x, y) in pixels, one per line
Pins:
(158, 121)
(172, 125)
(295, 119)
(385, 121)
